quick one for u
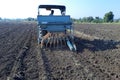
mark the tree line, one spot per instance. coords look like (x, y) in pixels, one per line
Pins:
(108, 18)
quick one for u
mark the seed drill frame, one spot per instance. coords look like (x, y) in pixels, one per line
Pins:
(55, 24)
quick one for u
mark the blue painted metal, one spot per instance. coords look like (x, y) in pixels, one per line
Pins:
(60, 18)
(70, 45)
(56, 23)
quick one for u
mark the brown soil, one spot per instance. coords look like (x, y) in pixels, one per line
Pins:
(96, 59)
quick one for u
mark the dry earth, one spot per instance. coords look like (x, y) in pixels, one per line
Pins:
(98, 56)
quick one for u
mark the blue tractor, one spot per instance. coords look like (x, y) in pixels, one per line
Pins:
(55, 30)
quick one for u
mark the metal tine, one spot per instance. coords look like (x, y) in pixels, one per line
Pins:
(43, 45)
(50, 44)
(64, 40)
(59, 44)
(57, 36)
(58, 40)
(47, 43)
(54, 40)
(51, 40)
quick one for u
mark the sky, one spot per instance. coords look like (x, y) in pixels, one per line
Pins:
(76, 8)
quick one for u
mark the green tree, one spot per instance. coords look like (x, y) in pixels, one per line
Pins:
(108, 17)
(98, 20)
(73, 19)
(84, 19)
(90, 19)
(117, 20)
(87, 19)
(30, 19)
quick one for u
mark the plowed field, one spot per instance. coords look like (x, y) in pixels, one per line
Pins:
(98, 56)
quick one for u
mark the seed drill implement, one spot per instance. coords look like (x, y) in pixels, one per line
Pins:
(55, 31)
